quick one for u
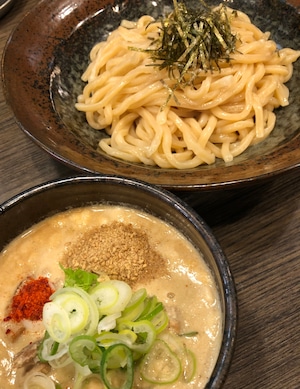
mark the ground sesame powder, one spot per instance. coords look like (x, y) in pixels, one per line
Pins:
(120, 250)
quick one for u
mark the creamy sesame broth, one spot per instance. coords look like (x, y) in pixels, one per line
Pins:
(173, 270)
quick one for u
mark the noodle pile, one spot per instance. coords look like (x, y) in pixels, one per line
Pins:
(219, 116)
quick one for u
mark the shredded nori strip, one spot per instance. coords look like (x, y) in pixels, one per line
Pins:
(192, 40)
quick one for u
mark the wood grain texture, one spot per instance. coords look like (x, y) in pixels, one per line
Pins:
(258, 229)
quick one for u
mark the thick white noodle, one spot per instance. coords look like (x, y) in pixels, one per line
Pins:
(219, 116)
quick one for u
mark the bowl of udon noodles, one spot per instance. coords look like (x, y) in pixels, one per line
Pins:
(112, 282)
(185, 95)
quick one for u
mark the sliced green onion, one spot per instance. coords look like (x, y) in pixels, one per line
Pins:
(56, 322)
(111, 296)
(93, 315)
(130, 335)
(85, 351)
(77, 310)
(153, 312)
(82, 373)
(60, 362)
(186, 356)
(135, 307)
(137, 298)
(38, 380)
(121, 356)
(160, 365)
(150, 304)
(160, 321)
(107, 339)
(108, 322)
(145, 332)
(105, 296)
(174, 341)
(189, 365)
(50, 350)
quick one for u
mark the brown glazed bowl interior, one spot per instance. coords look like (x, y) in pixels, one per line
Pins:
(49, 50)
(33, 205)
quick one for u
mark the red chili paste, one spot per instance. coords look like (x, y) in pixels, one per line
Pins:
(29, 301)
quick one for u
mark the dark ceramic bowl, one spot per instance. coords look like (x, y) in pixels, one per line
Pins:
(33, 205)
(45, 58)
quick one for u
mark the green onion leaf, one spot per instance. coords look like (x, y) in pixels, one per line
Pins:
(189, 334)
(79, 278)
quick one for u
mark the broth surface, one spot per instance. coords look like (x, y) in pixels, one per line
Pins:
(184, 284)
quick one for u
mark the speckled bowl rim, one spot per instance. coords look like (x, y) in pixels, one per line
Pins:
(34, 204)
(43, 126)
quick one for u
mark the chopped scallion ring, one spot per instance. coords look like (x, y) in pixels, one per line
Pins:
(57, 322)
(160, 321)
(76, 308)
(189, 365)
(160, 365)
(85, 351)
(117, 356)
(38, 380)
(111, 296)
(93, 316)
(145, 332)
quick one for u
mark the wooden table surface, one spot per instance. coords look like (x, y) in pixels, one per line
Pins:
(258, 229)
